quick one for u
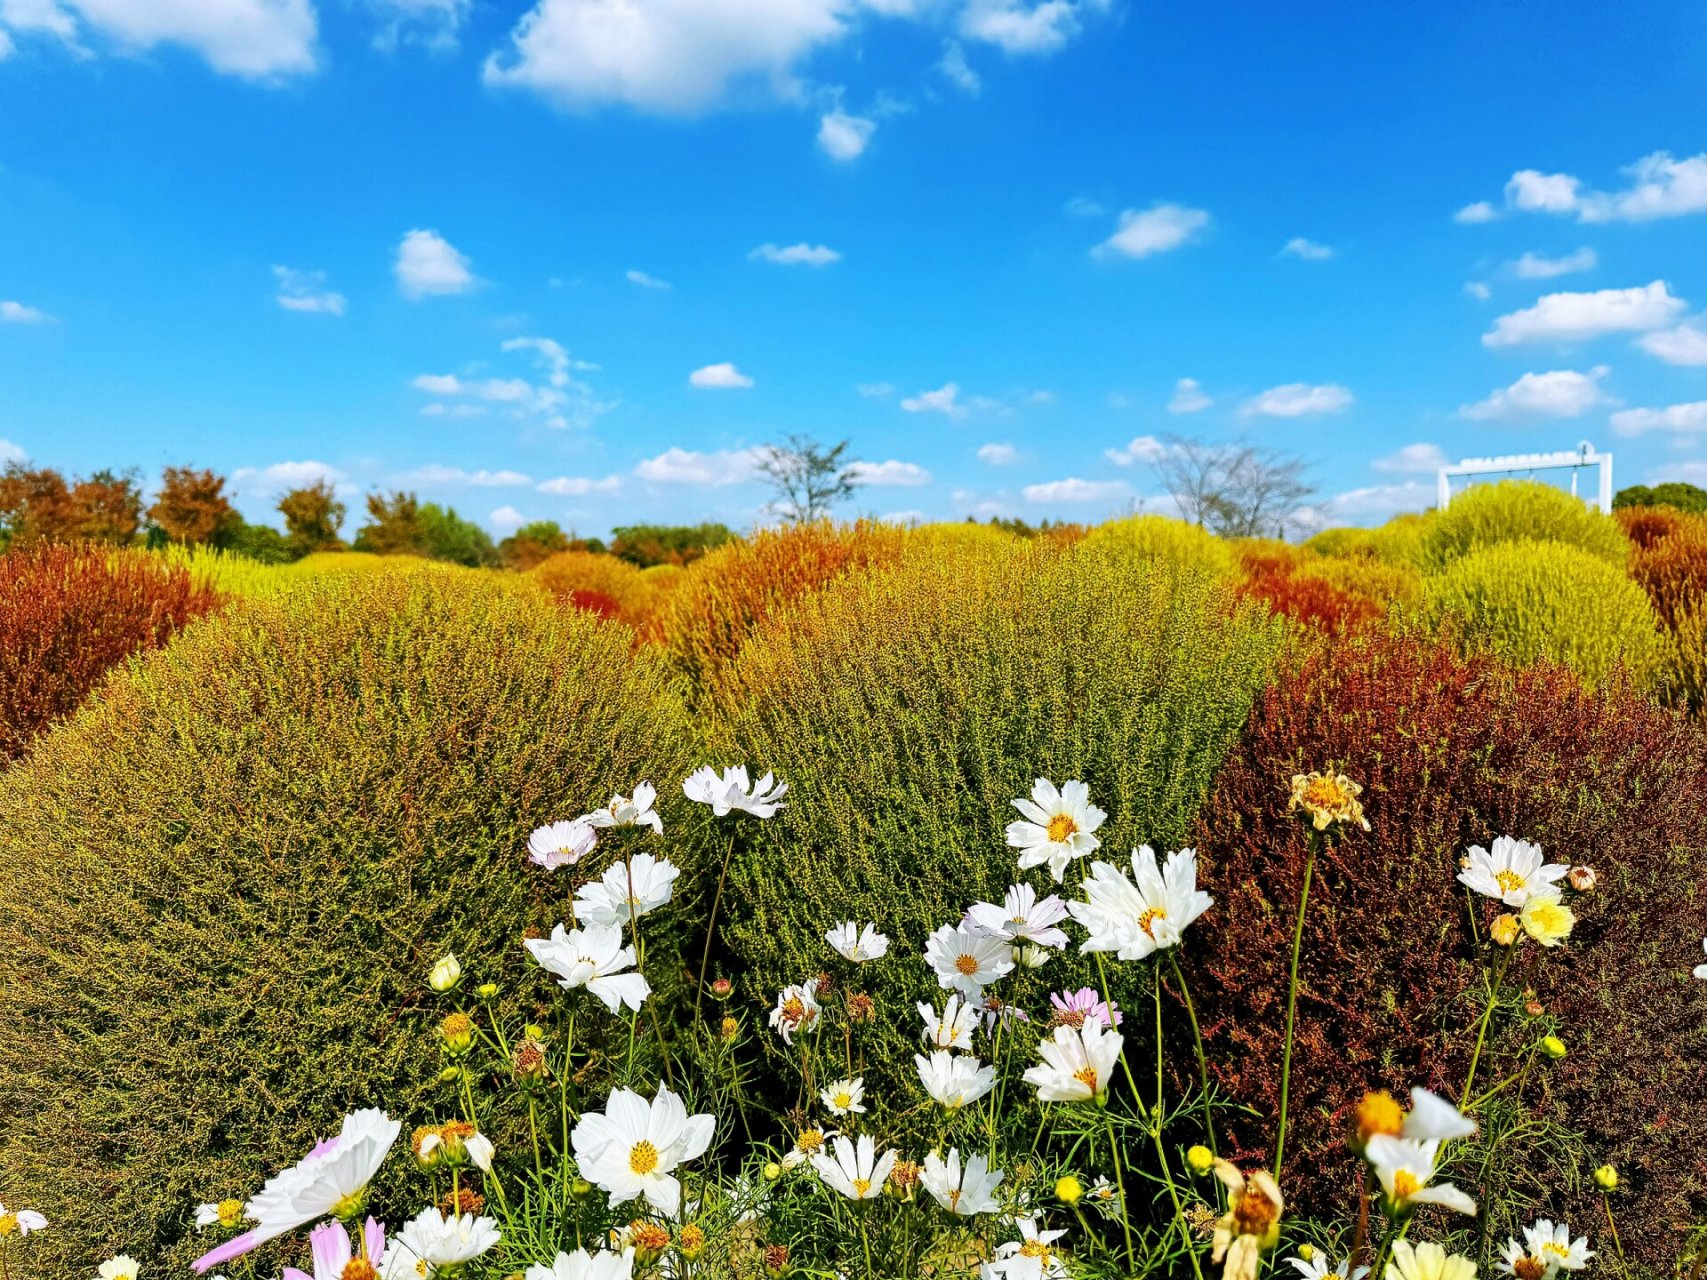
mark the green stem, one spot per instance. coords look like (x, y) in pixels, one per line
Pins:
(1487, 1017)
(1179, 1209)
(1292, 1007)
(865, 1239)
(711, 925)
(1120, 1187)
(1612, 1226)
(1202, 1058)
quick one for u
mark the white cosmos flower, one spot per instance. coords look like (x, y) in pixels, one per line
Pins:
(796, 1009)
(1404, 1166)
(965, 961)
(953, 1027)
(627, 890)
(1032, 1256)
(808, 1144)
(1078, 1063)
(954, 1081)
(859, 944)
(732, 792)
(562, 844)
(1135, 920)
(477, 1146)
(1319, 1268)
(1059, 826)
(1701, 969)
(28, 1220)
(961, 1191)
(1513, 871)
(855, 1170)
(331, 1180)
(845, 1097)
(594, 958)
(623, 811)
(1550, 1244)
(1020, 917)
(122, 1267)
(633, 1146)
(582, 1265)
(1433, 1119)
(432, 1239)
(1430, 1262)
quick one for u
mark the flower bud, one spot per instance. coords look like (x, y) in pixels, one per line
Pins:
(1606, 1178)
(1031, 956)
(1069, 1190)
(1200, 1158)
(450, 1075)
(776, 1259)
(649, 1239)
(1307, 1252)
(772, 1171)
(486, 990)
(580, 1188)
(692, 1242)
(1504, 929)
(458, 1032)
(1534, 1008)
(445, 973)
(729, 1028)
(427, 1154)
(1554, 1047)
(1583, 879)
(722, 989)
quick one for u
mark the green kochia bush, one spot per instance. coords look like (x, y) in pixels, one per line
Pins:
(226, 876)
(1514, 510)
(908, 706)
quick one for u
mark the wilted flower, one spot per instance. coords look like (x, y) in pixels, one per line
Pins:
(528, 1059)
(1075, 1008)
(733, 791)
(1134, 920)
(1032, 1256)
(952, 1081)
(966, 961)
(776, 1259)
(855, 1169)
(1327, 799)
(24, 1221)
(122, 1267)
(1513, 872)
(1020, 917)
(1505, 929)
(1583, 879)
(845, 1097)
(856, 943)
(330, 1246)
(1547, 1249)
(961, 1191)
(445, 973)
(1403, 1166)
(995, 1011)
(1546, 919)
(625, 812)
(592, 957)
(1078, 1064)
(562, 844)
(633, 1146)
(649, 1239)
(1251, 1225)
(436, 1241)
(861, 1008)
(582, 1265)
(953, 1027)
(1060, 826)
(796, 1010)
(627, 890)
(1430, 1262)
(462, 1200)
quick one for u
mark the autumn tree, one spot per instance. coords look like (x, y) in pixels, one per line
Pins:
(35, 506)
(192, 507)
(109, 507)
(312, 516)
(531, 544)
(393, 525)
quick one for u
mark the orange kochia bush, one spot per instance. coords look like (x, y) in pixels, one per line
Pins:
(67, 615)
(1454, 753)
(1672, 568)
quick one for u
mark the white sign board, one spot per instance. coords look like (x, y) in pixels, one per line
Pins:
(1584, 455)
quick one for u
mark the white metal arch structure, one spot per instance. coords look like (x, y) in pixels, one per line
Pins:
(1584, 455)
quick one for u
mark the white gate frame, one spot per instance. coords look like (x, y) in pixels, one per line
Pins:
(1584, 455)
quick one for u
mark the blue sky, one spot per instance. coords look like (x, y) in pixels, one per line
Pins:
(576, 259)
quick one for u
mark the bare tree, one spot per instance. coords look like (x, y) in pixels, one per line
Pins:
(808, 478)
(1235, 489)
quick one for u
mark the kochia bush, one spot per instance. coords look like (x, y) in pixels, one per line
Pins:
(1151, 537)
(1517, 510)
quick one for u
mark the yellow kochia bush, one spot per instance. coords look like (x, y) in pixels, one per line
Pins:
(1151, 537)
(1517, 510)
(227, 875)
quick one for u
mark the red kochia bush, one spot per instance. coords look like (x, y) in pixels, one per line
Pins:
(1645, 526)
(1673, 569)
(1454, 753)
(1290, 591)
(67, 615)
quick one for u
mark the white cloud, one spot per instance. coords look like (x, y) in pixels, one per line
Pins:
(844, 137)
(10, 452)
(1573, 317)
(957, 70)
(902, 474)
(283, 476)
(7, 49)
(645, 281)
(1189, 397)
(876, 390)
(307, 291)
(439, 410)
(945, 400)
(1158, 229)
(506, 519)
(1686, 344)
(909, 519)
(1535, 266)
(1661, 186)
(1140, 449)
(721, 377)
(578, 486)
(1471, 214)
(1381, 500)
(1680, 419)
(428, 265)
(1532, 191)
(1562, 393)
(715, 470)
(795, 255)
(1412, 459)
(438, 476)
(18, 313)
(997, 454)
(1477, 290)
(1308, 250)
(1297, 400)
(1017, 27)
(559, 401)
(1074, 489)
(431, 24)
(678, 57)
(265, 40)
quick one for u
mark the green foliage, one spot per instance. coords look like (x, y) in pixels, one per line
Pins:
(908, 705)
(312, 516)
(259, 542)
(1152, 537)
(1528, 601)
(447, 536)
(646, 545)
(531, 544)
(227, 875)
(1673, 493)
(1513, 510)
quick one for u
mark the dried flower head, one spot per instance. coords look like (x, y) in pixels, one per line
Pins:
(648, 1238)
(862, 1008)
(692, 1241)
(529, 1063)
(905, 1175)
(463, 1201)
(1327, 800)
(776, 1259)
(729, 1028)
(1583, 879)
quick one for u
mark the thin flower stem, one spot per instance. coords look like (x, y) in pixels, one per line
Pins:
(1612, 1227)
(1120, 1187)
(1487, 1017)
(1156, 988)
(1179, 1209)
(711, 924)
(1202, 1058)
(1360, 1237)
(1292, 1006)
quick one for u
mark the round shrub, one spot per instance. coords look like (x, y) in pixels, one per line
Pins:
(1518, 510)
(68, 615)
(1141, 538)
(227, 875)
(598, 584)
(1528, 602)
(1645, 526)
(1453, 753)
(907, 707)
(1673, 569)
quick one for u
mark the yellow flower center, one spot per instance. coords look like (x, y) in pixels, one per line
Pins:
(861, 1187)
(966, 964)
(1508, 880)
(1379, 1112)
(230, 1212)
(810, 1141)
(1405, 1184)
(1324, 793)
(1148, 918)
(643, 1157)
(1556, 1249)
(358, 1269)
(954, 1198)
(1062, 827)
(8, 1223)
(793, 1009)
(1034, 1249)
(1087, 1076)
(844, 1100)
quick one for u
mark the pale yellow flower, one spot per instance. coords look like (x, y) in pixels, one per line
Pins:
(1251, 1225)
(1547, 920)
(1327, 799)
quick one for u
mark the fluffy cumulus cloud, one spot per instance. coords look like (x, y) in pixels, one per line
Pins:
(645, 281)
(1412, 459)
(795, 255)
(944, 400)
(1140, 449)
(1686, 344)
(428, 265)
(506, 519)
(997, 454)
(306, 291)
(719, 377)
(281, 477)
(1189, 397)
(1162, 228)
(1020, 27)
(844, 137)
(579, 486)
(1298, 400)
(1574, 317)
(714, 470)
(436, 475)
(18, 313)
(553, 397)
(1561, 393)
(1307, 250)
(264, 40)
(1656, 186)
(1074, 489)
(1678, 419)
(1480, 211)
(900, 474)
(1537, 266)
